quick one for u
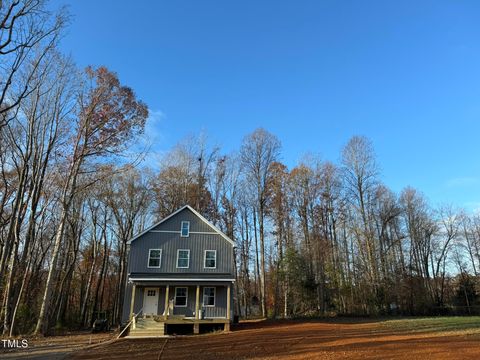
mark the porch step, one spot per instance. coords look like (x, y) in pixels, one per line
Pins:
(149, 325)
(138, 332)
(141, 331)
(156, 332)
(145, 335)
(147, 328)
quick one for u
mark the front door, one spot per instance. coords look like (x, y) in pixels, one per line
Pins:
(150, 301)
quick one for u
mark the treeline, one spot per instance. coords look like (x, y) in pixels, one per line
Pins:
(61, 129)
(320, 238)
(324, 238)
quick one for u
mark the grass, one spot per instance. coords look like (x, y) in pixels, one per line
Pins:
(460, 324)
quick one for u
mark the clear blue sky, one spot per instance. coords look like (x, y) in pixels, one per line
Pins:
(406, 74)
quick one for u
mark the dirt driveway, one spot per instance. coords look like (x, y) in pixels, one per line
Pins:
(297, 340)
(54, 347)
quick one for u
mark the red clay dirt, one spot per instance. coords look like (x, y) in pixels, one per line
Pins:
(296, 340)
(54, 347)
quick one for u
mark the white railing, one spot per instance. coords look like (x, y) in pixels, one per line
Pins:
(131, 323)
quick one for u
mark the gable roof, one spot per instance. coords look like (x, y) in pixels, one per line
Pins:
(214, 228)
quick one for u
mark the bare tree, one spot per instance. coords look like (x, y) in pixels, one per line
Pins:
(28, 32)
(108, 116)
(33, 135)
(259, 151)
(129, 197)
(184, 177)
(360, 177)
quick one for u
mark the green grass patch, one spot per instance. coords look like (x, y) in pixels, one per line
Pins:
(468, 324)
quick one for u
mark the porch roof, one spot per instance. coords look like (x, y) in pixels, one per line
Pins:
(185, 281)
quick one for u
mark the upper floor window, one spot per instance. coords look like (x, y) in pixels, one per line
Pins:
(154, 258)
(210, 259)
(183, 258)
(185, 228)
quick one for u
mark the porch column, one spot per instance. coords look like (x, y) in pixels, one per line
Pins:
(228, 301)
(227, 324)
(197, 303)
(166, 300)
(196, 325)
(132, 301)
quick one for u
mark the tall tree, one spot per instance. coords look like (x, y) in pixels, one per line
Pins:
(129, 197)
(33, 136)
(28, 32)
(360, 176)
(184, 177)
(259, 151)
(108, 116)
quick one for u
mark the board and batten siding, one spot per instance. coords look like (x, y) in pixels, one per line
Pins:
(174, 223)
(139, 298)
(171, 242)
(217, 311)
(127, 301)
(220, 308)
(166, 236)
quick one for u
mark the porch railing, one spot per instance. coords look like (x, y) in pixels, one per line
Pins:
(131, 323)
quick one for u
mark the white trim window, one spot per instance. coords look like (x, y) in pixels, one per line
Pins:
(183, 258)
(210, 261)
(185, 229)
(181, 296)
(154, 258)
(208, 296)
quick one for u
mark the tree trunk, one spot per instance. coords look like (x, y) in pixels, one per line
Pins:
(262, 261)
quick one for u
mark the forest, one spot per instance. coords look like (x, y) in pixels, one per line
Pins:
(321, 238)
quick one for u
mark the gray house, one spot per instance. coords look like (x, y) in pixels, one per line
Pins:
(180, 272)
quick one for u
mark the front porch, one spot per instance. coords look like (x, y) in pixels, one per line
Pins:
(152, 327)
(155, 308)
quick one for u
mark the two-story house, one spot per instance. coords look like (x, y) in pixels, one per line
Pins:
(180, 272)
